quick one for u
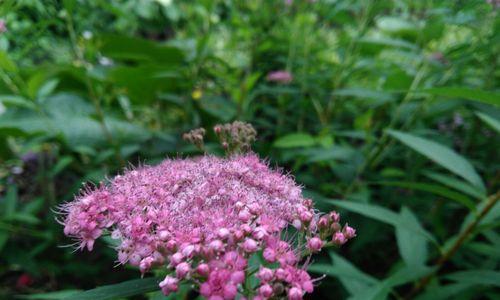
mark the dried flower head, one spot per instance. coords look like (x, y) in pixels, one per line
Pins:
(203, 218)
(195, 137)
(236, 137)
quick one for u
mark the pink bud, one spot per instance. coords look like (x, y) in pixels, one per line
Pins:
(188, 250)
(259, 233)
(323, 222)
(295, 294)
(250, 245)
(145, 264)
(203, 269)
(244, 215)
(176, 259)
(182, 270)
(169, 285)
(297, 224)
(281, 274)
(216, 245)
(269, 255)
(349, 232)
(238, 277)
(171, 245)
(266, 291)
(164, 235)
(230, 291)
(335, 216)
(223, 233)
(308, 286)
(305, 216)
(265, 274)
(339, 238)
(315, 244)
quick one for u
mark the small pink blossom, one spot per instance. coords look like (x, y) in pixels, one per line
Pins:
(3, 26)
(280, 76)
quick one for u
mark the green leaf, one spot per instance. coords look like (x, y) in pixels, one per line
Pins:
(441, 155)
(10, 201)
(295, 140)
(351, 277)
(383, 215)
(444, 292)
(457, 184)
(378, 97)
(494, 123)
(133, 48)
(467, 93)
(435, 189)
(412, 247)
(59, 295)
(123, 289)
(219, 107)
(6, 63)
(476, 277)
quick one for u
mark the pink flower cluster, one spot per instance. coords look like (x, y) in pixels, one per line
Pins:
(203, 219)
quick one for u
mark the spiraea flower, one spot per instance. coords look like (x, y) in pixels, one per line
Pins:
(203, 218)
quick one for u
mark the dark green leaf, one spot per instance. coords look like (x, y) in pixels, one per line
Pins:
(441, 155)
(123, 289)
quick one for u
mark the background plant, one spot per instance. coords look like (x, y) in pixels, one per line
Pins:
(392, 108)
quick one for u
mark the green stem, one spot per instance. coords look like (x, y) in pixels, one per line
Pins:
(492, 200)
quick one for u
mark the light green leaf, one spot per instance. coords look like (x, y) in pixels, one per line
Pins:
(435, 189)
(383, 215)
(123, 289)
(412, 247)
(467, 93)
(295, 140)
(476, 277)
(441, 155)
(457, 184)
(6, 63)
(494, 123)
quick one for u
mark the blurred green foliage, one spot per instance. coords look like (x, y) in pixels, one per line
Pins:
(393, 108)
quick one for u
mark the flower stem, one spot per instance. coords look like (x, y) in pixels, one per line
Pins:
(492, 200)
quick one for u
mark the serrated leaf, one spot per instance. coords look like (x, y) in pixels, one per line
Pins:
(123, 289)
(441, 155)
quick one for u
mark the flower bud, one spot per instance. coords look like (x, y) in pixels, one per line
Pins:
(250, 245)
(349, 232)
(265, 274)
(269, 255)
(202, 269)
(266, 291)
(315, 244)
(169, 285)
(295, 294)
(182, 270)
(339, 238)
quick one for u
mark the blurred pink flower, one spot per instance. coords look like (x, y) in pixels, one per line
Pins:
(3, 26)
(280, 76)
